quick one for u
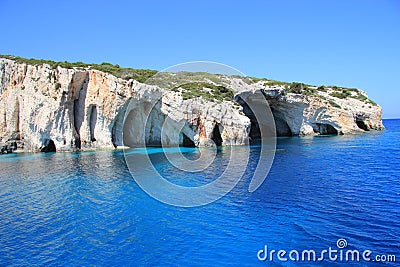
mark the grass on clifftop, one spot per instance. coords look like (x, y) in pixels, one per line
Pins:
(196, 84)
(140, 75)
(344, 93)
(205, 90)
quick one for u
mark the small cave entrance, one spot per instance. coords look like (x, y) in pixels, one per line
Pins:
(118, 126)
(186, 141)
(77, 113)
(77, 120)
(116, 131)
(139, 130)
(361, 124)
(216, 135)
(281, 126)
(325, 129)
(255, 133)
(48, 146)
(92, 122)
(264, 128)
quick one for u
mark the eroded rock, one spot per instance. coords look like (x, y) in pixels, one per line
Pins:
(89, 109)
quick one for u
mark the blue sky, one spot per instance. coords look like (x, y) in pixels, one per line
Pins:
(346, 43)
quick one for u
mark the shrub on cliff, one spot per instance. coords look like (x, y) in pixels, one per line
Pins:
(296, 88)
(334, 104)
(206, 90)
(342, 95)
(141, 75)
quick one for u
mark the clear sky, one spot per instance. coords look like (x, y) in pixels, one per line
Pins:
(343, 42)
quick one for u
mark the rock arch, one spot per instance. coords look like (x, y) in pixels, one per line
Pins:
(325, 129)
(361, 124)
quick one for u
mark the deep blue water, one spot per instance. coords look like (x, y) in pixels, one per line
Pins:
(81, 209)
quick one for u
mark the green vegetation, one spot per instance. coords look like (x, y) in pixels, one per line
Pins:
(255, 79)
(197, 84)
(278, 83)
(342, 95)
(199, 89)
(296, 88)
(57, 86)
(301, 88)
(372, 102)
(310, 91)
(140, 75)
(361, 97)
(334, 104)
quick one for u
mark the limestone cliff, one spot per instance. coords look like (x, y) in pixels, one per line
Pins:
(321, 113)
(82, 108)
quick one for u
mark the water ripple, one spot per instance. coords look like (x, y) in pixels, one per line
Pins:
(84, 208)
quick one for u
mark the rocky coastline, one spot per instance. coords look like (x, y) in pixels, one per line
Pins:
(53, 108)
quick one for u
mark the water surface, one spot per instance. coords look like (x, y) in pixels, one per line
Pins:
(81, 209)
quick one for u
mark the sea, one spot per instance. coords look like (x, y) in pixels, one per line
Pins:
(335, 196)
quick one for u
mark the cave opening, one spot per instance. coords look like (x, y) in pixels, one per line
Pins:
(48, 146)
(216, 135)
(78, 112)
(153, 127)
(361, 124)
(325, 129)
(186, 141)
(140, 131)
(152, 139)
(92, 122)
(129, 132)
(116, 130)
(78, 119)
(281, 126)
(118, 126)
(255, 133)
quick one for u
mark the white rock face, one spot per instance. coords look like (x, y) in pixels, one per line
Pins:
(298, 114)
(89, 109)
(85, 109)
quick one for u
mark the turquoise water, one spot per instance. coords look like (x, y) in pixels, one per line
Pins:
(81, 209)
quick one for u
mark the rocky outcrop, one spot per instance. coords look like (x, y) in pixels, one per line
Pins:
(47, 108)
(85, 109)
(299, 114)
